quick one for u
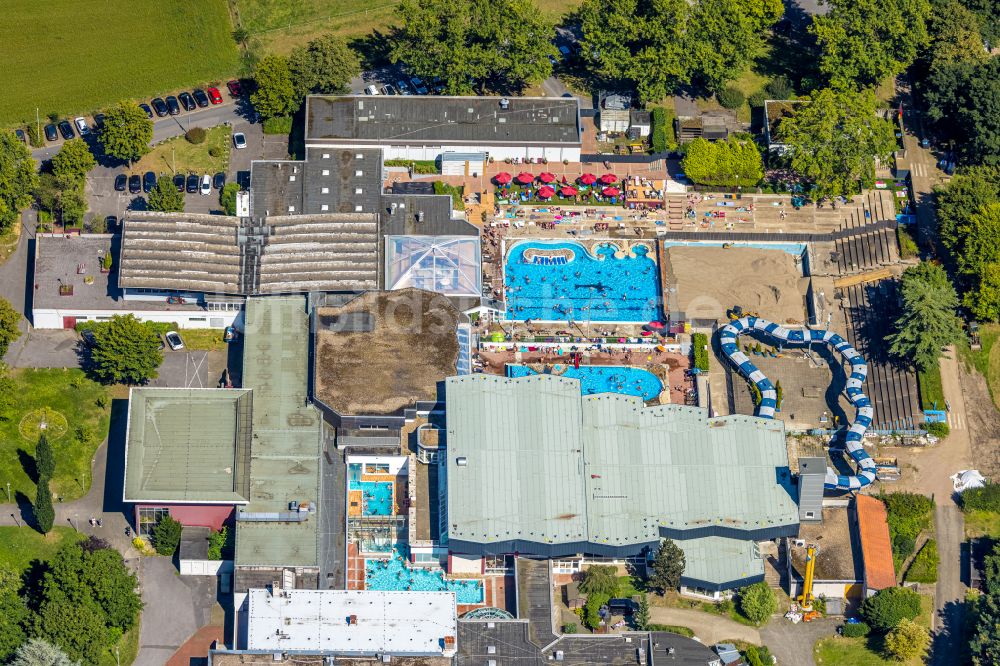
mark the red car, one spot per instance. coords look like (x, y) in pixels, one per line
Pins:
(214, 96)
(235, 89)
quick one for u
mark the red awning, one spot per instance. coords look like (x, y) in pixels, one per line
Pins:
(588, 179)
(568, 191)
(525, 178)
(546, 177)
(546, 192)
(611, 191)
(502, 178)
(609, 178)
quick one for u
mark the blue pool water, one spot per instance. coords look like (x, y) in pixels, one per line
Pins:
(605, 379)
(376, 495)
(582, 288)
(394, 575)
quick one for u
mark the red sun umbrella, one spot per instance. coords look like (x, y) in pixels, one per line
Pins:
(502, 178)
(611, 191)
(609, 178)
(568, 191)
(546, 192)
(588, 179)
(525, 178)
(546, 177)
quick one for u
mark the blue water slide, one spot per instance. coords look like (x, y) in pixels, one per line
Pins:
(728, 341)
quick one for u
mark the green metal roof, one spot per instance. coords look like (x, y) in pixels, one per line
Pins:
(187, 445)
(287, 435)
(720, 560)
(545, 464)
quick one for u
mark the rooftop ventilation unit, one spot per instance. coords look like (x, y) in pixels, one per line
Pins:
(462, 461)
(504, 103)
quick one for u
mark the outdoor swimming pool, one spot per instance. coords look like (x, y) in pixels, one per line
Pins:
(376, 497)
(605, 379)
(563, 282)
(393, 575)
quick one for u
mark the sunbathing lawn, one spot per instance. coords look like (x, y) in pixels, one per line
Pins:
(19, 546)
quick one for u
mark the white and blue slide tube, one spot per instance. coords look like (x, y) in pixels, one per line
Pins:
(728, 341)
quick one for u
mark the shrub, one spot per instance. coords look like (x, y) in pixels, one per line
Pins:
(570, 628)
(779, 88)
(907, 640)
(757, 602)
(196, 135)
(757, 99)
(217, 549)
(600, 579)
(986, 498)
(903, 545)
(34, 138)
(167, 536)
(907, 244)
(591, 615)
(662, 137)
(214, 151)
(923, 569)
(909, 513)
(699, 344)
(671, 628)
(758, 655)
(889, 606)
(938, 429)
(731, 98)
(856, 630)
(227, 198)
(278, 125)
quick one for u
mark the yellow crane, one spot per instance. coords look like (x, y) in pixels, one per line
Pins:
(806, 598)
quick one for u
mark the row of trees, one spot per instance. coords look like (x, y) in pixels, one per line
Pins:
(723, 163)
(81, 602)
(323, 66)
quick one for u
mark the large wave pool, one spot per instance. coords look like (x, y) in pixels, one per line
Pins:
(563, 282)
(393, 575)
(605, 379)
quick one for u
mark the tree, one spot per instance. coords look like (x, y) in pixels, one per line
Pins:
(641, 616)
(888, 606)
(907, 640)
(667, 567)
(45, 461)
(165, 197)
(166, 536)
(475, 45)
(834, 140)
(125, 350)
(76, 628)
(74, 161)
(45, 515)
(18, 178)
(37, 652)
(275, 94)
(985, 640)
(726, 37)
(10, 320)
(600, 579)
(227, 198)
(723, 163)
(13, 613)
(127, 132)
(960, 200)
(864, 42)
(324, 66)
(757, 602)
(927, 322)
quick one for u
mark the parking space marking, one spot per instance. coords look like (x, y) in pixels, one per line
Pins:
(191, 377)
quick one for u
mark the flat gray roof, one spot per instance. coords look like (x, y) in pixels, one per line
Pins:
(187, 445)
(546, 466)
(422, 119)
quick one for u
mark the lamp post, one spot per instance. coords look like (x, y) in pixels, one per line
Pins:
(8, 492)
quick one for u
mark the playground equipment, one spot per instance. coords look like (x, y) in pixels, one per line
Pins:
(728, 336)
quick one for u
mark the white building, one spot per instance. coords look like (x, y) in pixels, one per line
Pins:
(351, 623)
(428, 127)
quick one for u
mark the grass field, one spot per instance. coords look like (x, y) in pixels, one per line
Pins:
(77, 56)
(986, 360)
(867, 651)
(74, 397)
(189, 157)
(20, 545)
(982, 523)
(281, 25)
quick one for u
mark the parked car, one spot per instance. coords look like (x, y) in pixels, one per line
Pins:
(206, 184)
(149, 111)
(173, 105)
(66, 129)
(134, 183)
(50, 133)
(235, 89)
(403, 87)
(240, 140)
(219, 180)
(179, 181)
(99, 121)
(387, 89)
(21, 136)
(621, 606)
(121, 182)
(371, 90)
(187, 101)
(160, 107)
(418, 85)
(214, 96)
(148, 182)
(192, 183)
(174, 340)
(81, 125)
(564, 50)
(200, 97)
(88, 337)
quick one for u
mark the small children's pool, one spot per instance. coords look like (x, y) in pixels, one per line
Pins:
(605, 379)
(563, 282)
(394, 575)
(376, 497)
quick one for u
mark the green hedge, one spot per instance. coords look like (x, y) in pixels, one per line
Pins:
(158, 327)
(986, 498)
(923, 569)
(699, 345)
(278, 125)
(938, 428)
(931, 389)
(855, 630)
(671, 628)
(662, 136)
(419, 166)
(456, 192)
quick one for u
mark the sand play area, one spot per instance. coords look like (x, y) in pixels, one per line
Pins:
(706, 281)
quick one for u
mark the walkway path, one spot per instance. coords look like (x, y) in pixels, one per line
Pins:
(708, 628)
